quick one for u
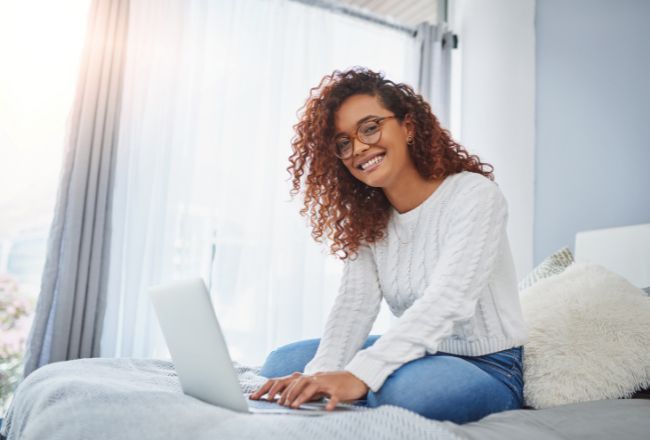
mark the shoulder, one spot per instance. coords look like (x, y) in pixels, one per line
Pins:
(474, 201)
(466, 181)
(472, 189)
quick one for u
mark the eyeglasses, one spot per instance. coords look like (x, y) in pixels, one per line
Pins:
(368, 132)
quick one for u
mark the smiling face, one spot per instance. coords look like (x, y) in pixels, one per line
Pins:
(389, 158)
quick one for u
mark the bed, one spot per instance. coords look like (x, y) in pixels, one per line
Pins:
(142, 399)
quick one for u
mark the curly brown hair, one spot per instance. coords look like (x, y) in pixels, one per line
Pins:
(342, 206)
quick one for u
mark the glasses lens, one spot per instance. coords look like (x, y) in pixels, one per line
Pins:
(343, 147)
(369, 132)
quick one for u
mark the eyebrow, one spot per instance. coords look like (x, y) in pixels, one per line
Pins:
(359, 122)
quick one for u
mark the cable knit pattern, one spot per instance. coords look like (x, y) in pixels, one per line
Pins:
(355, 310)
(459, 296)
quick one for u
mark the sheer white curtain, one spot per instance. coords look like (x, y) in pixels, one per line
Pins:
(211, 93)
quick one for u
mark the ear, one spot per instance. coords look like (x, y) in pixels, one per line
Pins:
(407, 124)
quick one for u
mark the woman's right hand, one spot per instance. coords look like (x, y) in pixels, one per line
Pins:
(283, 386)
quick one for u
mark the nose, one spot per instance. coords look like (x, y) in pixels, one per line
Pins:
(363, 147)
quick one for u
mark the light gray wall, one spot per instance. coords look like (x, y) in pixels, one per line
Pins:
(592, 150)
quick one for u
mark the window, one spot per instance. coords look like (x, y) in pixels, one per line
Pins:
(211, 94)
(41, 54)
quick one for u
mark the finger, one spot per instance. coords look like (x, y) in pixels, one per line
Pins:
(306, 395)
(262, 390)
(279, 385)
(332, 403)
(283, 396)
(287, 380)
(296, 389)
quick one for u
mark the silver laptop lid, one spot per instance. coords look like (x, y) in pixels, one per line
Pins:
(196, 343)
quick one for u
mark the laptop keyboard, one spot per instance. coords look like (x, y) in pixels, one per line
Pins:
(318, 405)
(264, 404)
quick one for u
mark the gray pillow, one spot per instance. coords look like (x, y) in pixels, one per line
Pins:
(552, 265)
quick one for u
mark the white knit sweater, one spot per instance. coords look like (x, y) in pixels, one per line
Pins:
(445, 269)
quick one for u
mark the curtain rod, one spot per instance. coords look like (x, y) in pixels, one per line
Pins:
(335, 7)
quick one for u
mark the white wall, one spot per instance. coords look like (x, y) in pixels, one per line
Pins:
(494, 105)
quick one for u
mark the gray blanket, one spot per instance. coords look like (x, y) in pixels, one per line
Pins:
(142, 399)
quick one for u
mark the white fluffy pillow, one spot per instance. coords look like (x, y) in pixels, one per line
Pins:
(589, 337)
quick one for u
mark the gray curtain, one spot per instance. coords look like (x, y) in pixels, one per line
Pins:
(434, 79)
(70, 308)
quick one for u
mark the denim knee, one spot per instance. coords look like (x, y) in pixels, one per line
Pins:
(385, 396)
(289, 358)
(295, 356)
(435, 409)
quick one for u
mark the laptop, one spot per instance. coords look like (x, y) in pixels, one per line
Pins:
(200, 355)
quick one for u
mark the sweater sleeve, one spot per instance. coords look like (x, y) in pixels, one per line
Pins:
(472, 230)
(355, 309)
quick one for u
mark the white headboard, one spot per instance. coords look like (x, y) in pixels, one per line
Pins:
(624, 250)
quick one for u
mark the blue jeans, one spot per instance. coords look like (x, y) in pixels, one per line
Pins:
(440, 386)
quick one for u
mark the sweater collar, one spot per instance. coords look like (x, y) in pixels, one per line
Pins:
(410, 216)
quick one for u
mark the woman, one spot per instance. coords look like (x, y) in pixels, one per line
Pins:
(422, 224)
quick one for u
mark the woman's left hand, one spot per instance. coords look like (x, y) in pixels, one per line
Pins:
(296, 389)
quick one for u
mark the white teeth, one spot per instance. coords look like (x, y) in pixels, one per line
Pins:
(372, 161)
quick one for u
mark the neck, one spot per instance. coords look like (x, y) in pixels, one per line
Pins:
(409, 192)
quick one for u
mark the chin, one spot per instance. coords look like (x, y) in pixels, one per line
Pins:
(376, 179)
